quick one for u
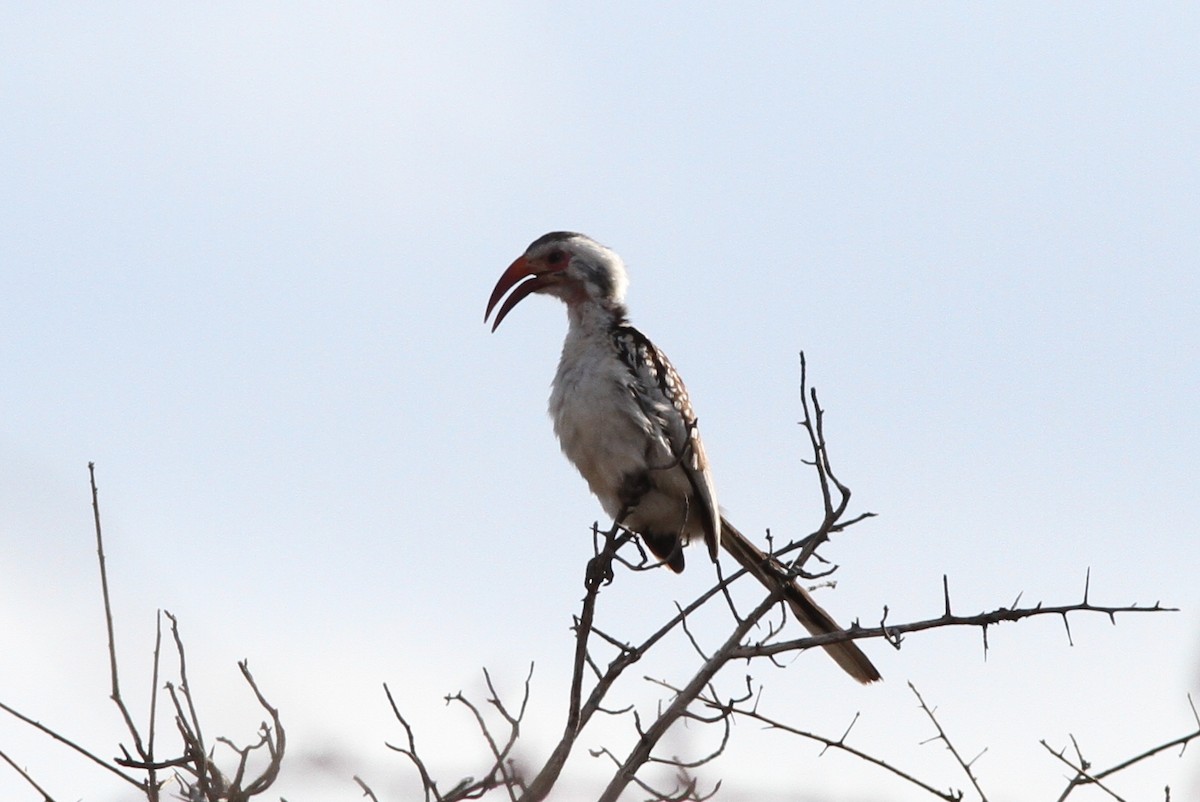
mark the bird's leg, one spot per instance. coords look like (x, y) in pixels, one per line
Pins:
(724, 585)
(599, 568)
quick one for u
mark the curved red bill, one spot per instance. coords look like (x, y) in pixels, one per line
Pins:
(512, 277)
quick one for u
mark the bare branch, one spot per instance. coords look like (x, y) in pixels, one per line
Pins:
(941, 736)
(503, 773)
(151, 771)
(71, 744)
(25, 776)
(273, 738)
(189, 725)
(1085, 777)
(1082, 777)
(367, 792)
(814, 425)
(410, 751)
(642, 749)
(598, 573)
(115, 692)
(839, 744)
(210, 783)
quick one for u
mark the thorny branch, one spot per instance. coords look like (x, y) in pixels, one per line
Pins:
(697, 700)
(893, 632)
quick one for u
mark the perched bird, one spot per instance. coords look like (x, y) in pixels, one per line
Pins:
(623, 417)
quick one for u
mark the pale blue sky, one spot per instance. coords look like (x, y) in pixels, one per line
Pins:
(245, 253)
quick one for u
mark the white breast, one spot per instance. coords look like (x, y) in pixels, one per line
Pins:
(599, 425)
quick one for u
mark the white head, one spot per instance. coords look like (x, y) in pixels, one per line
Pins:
(572, 267)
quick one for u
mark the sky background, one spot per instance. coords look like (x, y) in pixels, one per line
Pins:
(244, 255)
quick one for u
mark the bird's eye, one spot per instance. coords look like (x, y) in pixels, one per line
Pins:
(556, 258)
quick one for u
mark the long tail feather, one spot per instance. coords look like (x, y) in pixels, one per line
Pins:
(770, 573)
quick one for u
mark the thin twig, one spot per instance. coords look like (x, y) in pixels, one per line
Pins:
(203, 764)
(427, 782)
(964, 764)
(151, 771)
(840, 744)
(71, 744)
(25, 776)
(1084, 777)
(273, 737)
(367, 792)
(502, 773)
(115, 691)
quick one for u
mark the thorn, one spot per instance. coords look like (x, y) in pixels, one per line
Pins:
(853, 721)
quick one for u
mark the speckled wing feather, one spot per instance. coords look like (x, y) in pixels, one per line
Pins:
(664, 399)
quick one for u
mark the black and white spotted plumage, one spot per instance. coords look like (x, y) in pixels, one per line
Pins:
(624, 419)
(653, 381)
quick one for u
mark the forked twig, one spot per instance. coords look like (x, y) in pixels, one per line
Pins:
(1085, 777)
